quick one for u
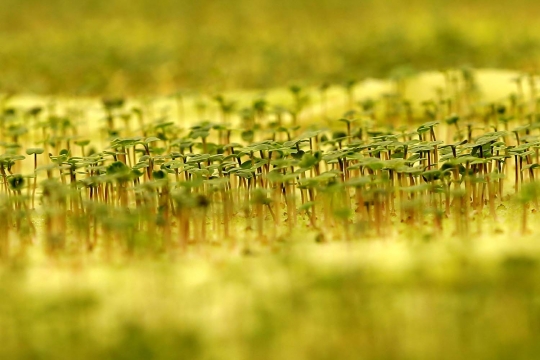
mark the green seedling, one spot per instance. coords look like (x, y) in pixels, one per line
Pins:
(201, 183)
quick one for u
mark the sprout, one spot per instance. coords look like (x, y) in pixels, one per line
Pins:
(16, 182)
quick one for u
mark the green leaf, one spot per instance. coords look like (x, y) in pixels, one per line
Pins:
(151, 139)
(32, 151)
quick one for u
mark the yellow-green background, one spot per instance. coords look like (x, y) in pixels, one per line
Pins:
(149, 46)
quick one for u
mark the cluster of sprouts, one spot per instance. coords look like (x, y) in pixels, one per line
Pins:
(258, 174)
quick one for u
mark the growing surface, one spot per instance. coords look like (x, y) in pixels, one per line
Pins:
(377, 219)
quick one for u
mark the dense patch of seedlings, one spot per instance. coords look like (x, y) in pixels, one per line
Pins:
(160, 184)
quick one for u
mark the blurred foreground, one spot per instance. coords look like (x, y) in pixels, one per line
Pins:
(392, 299)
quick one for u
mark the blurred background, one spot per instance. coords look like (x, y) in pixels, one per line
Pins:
(130, 47)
